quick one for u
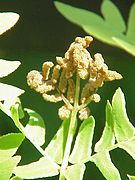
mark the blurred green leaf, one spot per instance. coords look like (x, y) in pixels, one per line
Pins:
(56, 147)
(123, 129)
(131, 177)
(131, 24)
(125, 45)
(7, 67)
(9, 92)
(7, 167)
(107, 139)
(75, 172)
(35, 128)
(128, 146)
(16, 178)
(109, 30)
(112, 15)
(89, 21)
(105, 165)
(82, 149)
(39, 169)
(9, 144)
(7, 20)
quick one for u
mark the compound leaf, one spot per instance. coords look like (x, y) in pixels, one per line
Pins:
(75, 172)
(56, 147)
(9, 144)
(114, 19)
(123, 129)
(107, 139)
(82, 149)
(39, 169)
(35, 129)
(105, 165)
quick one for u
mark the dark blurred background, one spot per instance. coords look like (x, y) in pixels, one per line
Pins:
(41, 34)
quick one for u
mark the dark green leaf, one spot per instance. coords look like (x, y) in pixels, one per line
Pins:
(123, 129)
(82, 149)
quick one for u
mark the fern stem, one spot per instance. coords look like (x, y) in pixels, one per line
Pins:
(71, 131)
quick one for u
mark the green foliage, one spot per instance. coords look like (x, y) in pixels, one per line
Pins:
(41, 168)
(9, 144)
(65, 155)
(7, 167)
(116, 122)
(107, 139)
(82, 149)
(75, 171)
(35, 128)
(110, 29)
(55, 148)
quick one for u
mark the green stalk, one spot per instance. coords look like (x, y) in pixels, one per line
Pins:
(71, 131)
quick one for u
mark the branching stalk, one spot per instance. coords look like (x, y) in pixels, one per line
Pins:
(71, 131)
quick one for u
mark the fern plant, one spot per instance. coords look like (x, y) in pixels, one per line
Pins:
(74, 80)
(110, 28)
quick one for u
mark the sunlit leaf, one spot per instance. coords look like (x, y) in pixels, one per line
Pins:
(75, 172)
(131, 177)
(107, 139)
(82, 149)
(131, 24)
(7, 167)
(129, 147)
(7, 20)
(9, 144)
(7, 67)
(130, 48)
(105, 165)
(9, 92)
(56, 147)
(39, 169)
(35, 129)
(123, 129)
(114, 19)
